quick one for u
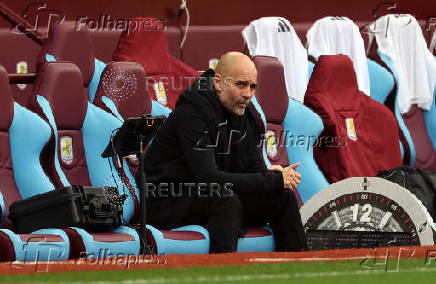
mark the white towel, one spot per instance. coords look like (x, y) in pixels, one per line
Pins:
(275, 36)
(400, 38)
(339, 35)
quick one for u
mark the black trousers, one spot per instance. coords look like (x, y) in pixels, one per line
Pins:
(226, 218)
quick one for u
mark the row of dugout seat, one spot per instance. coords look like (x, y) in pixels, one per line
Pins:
(76, 117)
(219, 40)
(417, 131)
(68, 135)
(60, 97)
(213, 41)
(29, 167)
(63, 40)
(72, 118)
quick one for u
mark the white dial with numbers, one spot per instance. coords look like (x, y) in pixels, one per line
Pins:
(368, 204)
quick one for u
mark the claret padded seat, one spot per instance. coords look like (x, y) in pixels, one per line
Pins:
(112, 97)
(82, 133)
(66, 43)
(292, 129)
(421, 126)
(123, 92)
(413, 87)
(167, 76)
(105, 42)
(83, 130)
(91, 50)
(23, 135)
(213, 42)
(384, 90)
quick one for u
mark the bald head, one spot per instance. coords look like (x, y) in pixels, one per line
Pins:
(232, 62)
(235, 81)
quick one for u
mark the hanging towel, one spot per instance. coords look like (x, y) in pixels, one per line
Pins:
(400, 38)
(339, 35)
(275, 36)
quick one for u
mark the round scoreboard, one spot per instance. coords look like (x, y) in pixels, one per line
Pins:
(368, 204)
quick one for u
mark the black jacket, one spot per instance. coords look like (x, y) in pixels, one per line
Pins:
(202, 142)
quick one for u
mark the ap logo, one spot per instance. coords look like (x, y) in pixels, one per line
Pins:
(39, 16)
(382, 9)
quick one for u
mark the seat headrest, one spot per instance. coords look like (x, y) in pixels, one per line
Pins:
(61, 84)
(124, 83)
(6, 101)
(271, 88)
(66, 42)
(334, 76)
(144, 42)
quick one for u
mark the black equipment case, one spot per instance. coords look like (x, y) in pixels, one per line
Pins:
(90, 208)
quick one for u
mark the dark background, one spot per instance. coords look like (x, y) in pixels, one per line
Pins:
(236, 12)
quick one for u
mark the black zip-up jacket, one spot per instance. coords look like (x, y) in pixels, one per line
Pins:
(201, 142)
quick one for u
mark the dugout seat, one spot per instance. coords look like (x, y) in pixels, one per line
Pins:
(83, 132)
(292, 129)
(57, 101)
(18, 55)
(213, 41)
(194, 239)
(185, 240)
(123, 92)
(167, 76)
(81, 46)
(391, 51)
(65, 42)
(353, 119)
(340, 35)
(301, 30)
(384, 90)
(20, 173)
(83, 129)
(105, 42)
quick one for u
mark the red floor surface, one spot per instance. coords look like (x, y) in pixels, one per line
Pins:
(180, 261)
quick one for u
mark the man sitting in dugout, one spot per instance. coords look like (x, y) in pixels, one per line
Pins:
(207, 153)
